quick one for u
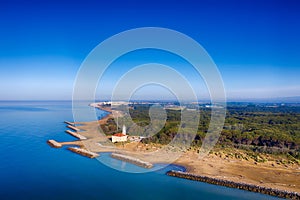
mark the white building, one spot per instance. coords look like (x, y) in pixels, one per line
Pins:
(120, 137)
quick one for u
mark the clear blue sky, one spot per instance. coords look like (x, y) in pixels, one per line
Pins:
(255, 44)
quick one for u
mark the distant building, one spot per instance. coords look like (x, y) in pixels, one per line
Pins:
(120, 137)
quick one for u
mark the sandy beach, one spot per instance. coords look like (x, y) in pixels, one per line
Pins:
(218, 164)
(222, 165)
(265, 174)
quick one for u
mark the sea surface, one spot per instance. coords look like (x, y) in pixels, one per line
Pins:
(30, 169)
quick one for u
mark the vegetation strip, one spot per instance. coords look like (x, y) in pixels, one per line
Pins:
(255, 128)
(243, 186)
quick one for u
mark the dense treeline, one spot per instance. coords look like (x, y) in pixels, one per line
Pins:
(258, 128)
(263, 126)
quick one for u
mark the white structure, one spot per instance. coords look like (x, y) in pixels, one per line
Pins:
(120, 137)
(124, 130)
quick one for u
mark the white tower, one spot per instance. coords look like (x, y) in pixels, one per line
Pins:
(124, 130)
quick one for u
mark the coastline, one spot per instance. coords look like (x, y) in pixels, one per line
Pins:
(286, 178)
(237, 172)
(262, 175)
(238, 185)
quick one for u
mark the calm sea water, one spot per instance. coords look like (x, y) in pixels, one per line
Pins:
(30, 169)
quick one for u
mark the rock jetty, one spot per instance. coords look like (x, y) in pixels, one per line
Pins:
(73, 127)
(81, 137)
(132, 160)
(83, 152)
(243, 186)
(54, 144)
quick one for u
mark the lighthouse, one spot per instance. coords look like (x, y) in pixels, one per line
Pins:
(120, 137)
(124, 130)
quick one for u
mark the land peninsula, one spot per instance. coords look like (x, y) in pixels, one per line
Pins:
(259, 145)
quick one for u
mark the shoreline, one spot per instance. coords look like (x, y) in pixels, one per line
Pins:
(265, 175)
(217, 169)
(237, 185)
(239, 171)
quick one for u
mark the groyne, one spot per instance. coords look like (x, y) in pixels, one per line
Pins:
(54, 144)
(238, 185)
(81, 137)
(73, 127)
(132, 160)
(70, 123)
(83, 152)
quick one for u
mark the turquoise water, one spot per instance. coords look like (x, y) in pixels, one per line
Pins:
(30, 169)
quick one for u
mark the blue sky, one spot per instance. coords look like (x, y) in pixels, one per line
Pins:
(255, 44)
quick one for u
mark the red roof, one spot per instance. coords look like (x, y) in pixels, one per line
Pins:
(119, 134)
